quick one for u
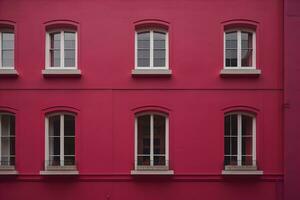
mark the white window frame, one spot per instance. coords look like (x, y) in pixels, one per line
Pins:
(62, 49)
(5, 113)
(47, 155)
(239, 137)
(151, 139)
(151, 31)
(6, 31)
(239, 49)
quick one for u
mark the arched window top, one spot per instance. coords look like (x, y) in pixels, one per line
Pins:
(60, 109)
(241, 109)
(152, 24)
(61, 24)
(151, 109)
(57, 113)
(242, 113)
(144, 113)
(240, 24)
(6, 24)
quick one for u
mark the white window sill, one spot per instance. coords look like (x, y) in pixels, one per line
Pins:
(57, 172)
(61, 73)
(241, 170)
(8, 170)
(8, 72)
(240, 72)
(151, 72)
(152, 172)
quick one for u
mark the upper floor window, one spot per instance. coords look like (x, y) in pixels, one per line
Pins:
(6, 48)
(239, 141)
(60, 140)
(151, 49)
(151, 145)
(7, 139)
(239, 49)
(61, 49)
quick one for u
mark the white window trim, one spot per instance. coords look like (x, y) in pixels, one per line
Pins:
(8, 31)
(151, 140)
(239, 50)
(151, 67)
(62, 56)
(4, 113)
(239, 149)
(61, 114)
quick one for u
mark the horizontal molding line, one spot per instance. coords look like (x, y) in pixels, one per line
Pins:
(129, 178)
(148, 89)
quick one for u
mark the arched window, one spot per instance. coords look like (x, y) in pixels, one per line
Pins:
(239, 140)
(151, 141)
(60, 140)
(61, 49)
(7, 44)
(7, 139)
(151, 49)
(239, 49)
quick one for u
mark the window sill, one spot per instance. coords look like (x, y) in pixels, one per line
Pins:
(151, 72)
(8, 170)
(152, 172)
(241, 170)
(240, 72)
(60, 170)
(61, 73)
(8, 73)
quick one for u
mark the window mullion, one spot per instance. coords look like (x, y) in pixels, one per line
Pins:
(62, 140)
(239, 139)
(254, 141)
(1, 51)
(151, 140)
(151, 49)
(239, 52)
(253, 49)
(62, 51)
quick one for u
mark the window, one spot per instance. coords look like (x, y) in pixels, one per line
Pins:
(7, 139)
(61, 49)
(151, 144)
(240, 49)
(6, 49)
(60, 140)
(239, 145)
(151, 51)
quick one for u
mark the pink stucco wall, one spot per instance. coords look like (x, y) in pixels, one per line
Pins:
(292, 99)
(106, 95)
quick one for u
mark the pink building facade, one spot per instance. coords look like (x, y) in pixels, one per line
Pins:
(141, 96)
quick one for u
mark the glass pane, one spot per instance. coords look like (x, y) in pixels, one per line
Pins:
(143, 134)
(246, 145)
(246, 160)
(143, 160)
(54, 146)
(227, 146)
(247, 126)
(69, 38)
(159, 160)
(159, 40)
(69, 58)
(233, 145)
(159, 134)
(230, 160)
(246, 40)
(5, 146)
(143, 36)
(54, 161)
(8, 58)
(69, 125)
(55, 40)
(69, 160)
(143, 53)
(231, 36)
(144, 62)
(159, 62)
(12, 146)
(231, 125)
(54, 125)
(144, 44)
(7, 44)
(5, 160)
(69, 146)
(7, 125)
(55, 58)
(231, 58)
(231, 44)
(159, 53)
(247, 57)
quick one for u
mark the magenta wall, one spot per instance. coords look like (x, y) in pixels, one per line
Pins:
(106, 95)
(292, 99)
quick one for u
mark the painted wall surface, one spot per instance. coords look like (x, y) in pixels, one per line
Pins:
(106, 96)
(292, 99)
